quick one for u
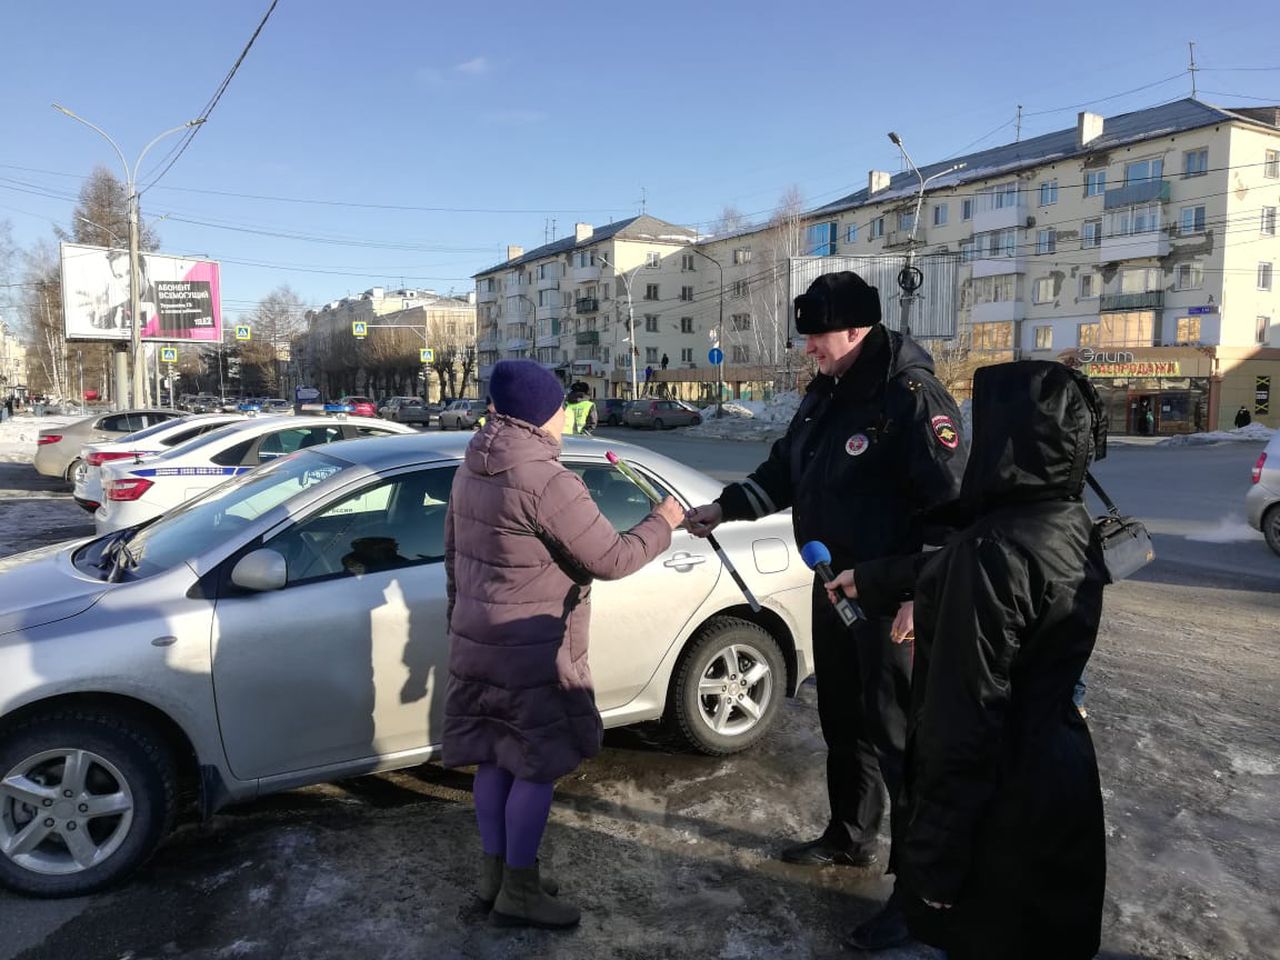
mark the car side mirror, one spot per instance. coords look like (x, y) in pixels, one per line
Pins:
(260, 571)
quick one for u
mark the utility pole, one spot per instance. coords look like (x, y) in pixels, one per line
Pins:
(1192, 68)
(1017, 138)
(910, 279)
(138, 376)
(631, 325)
(719, 335)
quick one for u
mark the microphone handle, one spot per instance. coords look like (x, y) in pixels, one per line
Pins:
(848, 610)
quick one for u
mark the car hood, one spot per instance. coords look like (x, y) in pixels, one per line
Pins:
(41, 586)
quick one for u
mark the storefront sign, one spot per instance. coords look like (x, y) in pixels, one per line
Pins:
(1088, 355)
(1133, 368)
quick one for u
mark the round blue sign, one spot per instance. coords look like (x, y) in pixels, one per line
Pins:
(716, 356)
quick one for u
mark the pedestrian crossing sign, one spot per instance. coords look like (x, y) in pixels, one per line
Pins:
(359, 328)
(168, 354)
(243, 332)
(427, 355)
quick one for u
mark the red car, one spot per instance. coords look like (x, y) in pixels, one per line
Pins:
(361, 406)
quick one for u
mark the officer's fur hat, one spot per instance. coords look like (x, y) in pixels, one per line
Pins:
(837, 301)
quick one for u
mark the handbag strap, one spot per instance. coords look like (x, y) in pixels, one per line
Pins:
(1102, 495)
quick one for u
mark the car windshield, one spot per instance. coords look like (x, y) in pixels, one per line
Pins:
(153, 430)
(211, 519)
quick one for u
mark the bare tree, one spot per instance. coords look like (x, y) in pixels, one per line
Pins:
(274, 322)
(730, 220)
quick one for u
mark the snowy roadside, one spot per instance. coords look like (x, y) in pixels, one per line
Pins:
(1253, 433)
(18, 436)
(748, 419)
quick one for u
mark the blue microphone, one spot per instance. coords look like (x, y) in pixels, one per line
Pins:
(818, 559)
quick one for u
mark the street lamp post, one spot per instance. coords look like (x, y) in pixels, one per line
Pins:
(138, 378)
(910, 279)
(719, 335)
(631, 324)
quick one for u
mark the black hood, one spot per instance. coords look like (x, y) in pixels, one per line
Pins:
(1036, 426)
(907, 354)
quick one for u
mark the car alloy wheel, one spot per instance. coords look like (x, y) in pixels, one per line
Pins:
(728, 686)
(1271, 527)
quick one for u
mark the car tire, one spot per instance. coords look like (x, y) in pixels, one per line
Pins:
(695, 421)
(658, 424)
(122, 760)
(69, 475)
(1271, 527)
(694, 710)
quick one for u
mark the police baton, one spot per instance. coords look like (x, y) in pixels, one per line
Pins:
(646, 488)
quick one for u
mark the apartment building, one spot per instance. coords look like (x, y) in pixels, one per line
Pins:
(1140, 247)
(13, 363)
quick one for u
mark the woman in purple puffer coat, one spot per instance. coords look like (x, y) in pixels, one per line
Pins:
(523, 541)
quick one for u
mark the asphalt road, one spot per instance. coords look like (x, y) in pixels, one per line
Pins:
(671, 854)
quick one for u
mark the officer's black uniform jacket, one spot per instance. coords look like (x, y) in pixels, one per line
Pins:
(1002, 799)
(864, 457)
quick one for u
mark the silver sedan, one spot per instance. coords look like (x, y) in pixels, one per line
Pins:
(288, 627)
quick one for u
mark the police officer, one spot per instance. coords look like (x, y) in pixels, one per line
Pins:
(875, 443)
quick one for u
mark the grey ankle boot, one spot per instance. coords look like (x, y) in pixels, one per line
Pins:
(491, 880)
(522, 902)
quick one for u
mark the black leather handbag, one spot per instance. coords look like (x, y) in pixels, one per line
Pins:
(1125, 542)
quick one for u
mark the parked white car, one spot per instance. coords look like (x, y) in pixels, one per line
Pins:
(134, 493)
(1262, 502)
(145, 443)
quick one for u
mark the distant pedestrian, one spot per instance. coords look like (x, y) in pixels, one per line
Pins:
(523, 541)
(665, 361)
(1243, 418)
(8, 407)
(648, 374)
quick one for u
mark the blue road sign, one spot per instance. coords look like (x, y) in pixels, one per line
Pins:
(716, 356)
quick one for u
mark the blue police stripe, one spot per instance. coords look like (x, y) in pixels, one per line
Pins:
(189, 471)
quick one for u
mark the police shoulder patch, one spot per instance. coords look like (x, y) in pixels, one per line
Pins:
(944, 428)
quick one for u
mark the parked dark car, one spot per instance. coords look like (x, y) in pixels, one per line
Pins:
(661, 414)
(462, 415)
(407, 410)
(612, 412)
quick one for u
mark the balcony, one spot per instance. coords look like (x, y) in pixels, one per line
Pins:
(487, 345)
(585, 274)
(1151, 300)
(902, 238)
(515, 344)
(1134, 246)
(551, 279)
(587, 338)
(550, 340)
(988, 216)
(550, 311)
(996, 266)
(587, 305)
(487, 296)
(1002, 311)
(1140, 191)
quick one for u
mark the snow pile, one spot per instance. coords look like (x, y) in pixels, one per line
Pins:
(1253, 433)
(18, 436)
(749, 419)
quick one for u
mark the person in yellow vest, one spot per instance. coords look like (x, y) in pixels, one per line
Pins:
(578, 407)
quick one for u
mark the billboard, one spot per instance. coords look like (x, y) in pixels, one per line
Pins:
(180, 297)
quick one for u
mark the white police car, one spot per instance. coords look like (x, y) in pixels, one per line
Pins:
(136, 492)
(144, 443)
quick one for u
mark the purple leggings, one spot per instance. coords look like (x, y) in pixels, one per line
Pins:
(511, 813)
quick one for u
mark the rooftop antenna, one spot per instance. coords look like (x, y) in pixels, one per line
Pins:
(553, 229)
(1192, 68)
(644, 200)
(1017, 138)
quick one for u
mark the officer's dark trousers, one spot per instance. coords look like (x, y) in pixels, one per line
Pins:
(864, 687)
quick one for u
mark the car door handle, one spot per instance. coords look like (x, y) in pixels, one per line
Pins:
(684, 560)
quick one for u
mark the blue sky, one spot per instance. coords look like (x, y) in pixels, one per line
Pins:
(513, 114)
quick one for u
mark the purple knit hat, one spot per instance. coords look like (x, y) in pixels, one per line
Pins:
(525, 390)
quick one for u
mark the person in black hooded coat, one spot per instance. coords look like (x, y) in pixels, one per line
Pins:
(1002, 852)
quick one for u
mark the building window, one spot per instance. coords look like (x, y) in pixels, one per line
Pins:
(1088, 286)
(650, 354)
(1046, 241)
(822, 239)
(686, 293)
(940, 215)
(1048, 193)
(877, 229)
(604, 291)
(686, 324)
(1260, 329)
(742, 255)
(1190, 276)
(1271, 164)
(686, 262)
(851, 233)
(1129, 329)
(1139, 170)
(650, 323)
(998, 289)
(1191, 220)
(741, 287)
(1264, 276)
(1091, 234)
(651, 291)
(992, 336)
(740, 321)
(686, 354)
(966, 209)
(653, 260)
(996, 243)
(966, 251)
(1044, 338)
(1188, 331)
(1088, 334)
(1140, 280)
(1269, 221)
(1195, 163)
(1042, 292)
(1095, 183)
(1129, 221)
(906, 220)
(741, 353)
